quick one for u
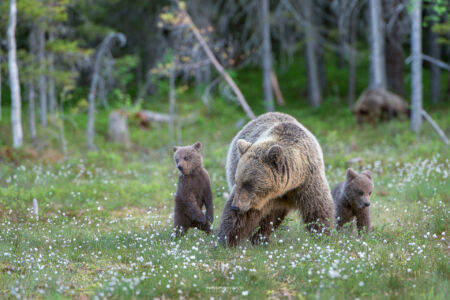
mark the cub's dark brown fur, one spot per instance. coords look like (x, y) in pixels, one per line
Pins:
(194, 190)
(274, 165)
(352, 199)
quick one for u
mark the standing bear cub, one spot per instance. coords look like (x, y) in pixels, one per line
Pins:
(274, 165)
(194, 191)
(352, 199)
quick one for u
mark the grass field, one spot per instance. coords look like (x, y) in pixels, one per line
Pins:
(104, 222)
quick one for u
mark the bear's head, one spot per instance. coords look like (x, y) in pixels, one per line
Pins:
(257, 175)
(358, 188)
(188, 158)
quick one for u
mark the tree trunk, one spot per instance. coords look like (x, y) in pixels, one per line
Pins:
(118, 128)
(94, 82)
(352, 58)
(266, 56)
(51, 80)
(393, 49)
(435, 52)
(377, 60)
(16, 110)
(416, 66)
(31, 109)
(314, 93)
(0, 84)
(172, 98)
(42, 79)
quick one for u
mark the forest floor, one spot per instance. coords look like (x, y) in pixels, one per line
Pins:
(104, 227)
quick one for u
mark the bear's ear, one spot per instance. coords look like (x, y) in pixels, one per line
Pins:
(351, 174)
(367, 174)
(175, 148)
(243, 146)
(275, 154)
(197, 146)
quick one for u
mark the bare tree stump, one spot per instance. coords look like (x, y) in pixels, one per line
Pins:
(118, 128)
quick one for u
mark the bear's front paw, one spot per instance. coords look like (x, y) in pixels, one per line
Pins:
(210, 219)
(201, 219)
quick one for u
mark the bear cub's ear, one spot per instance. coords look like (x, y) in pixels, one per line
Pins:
(367, 174)
(197, 146)
(351, 174)
(275, 154)
(243, 146)
(175, 148)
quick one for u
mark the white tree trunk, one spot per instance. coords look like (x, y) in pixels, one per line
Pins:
(16, 110)
(416, 66)
(266, 56)
(51, 80)
(42, 79)
(314, 93)
(377, 59)
(94, 82)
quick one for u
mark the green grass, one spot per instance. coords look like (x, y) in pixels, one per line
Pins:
(104, 224)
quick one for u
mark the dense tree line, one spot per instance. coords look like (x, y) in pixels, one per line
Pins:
(53, 48)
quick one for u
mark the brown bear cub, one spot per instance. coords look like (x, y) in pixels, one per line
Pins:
(194, 191)
(352, 199)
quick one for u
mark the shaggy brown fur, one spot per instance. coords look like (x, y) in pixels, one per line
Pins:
(194, 190)
(352, 199)
(274, 165)
(379, 105)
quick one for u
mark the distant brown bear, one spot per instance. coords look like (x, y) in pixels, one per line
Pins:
(274, 165)
(379, 105)
(352, 199)
(194, 191)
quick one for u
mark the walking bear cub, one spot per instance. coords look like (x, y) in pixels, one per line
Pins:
(194, 191)
(352, 199)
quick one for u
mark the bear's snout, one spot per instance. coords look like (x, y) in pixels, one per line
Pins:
(366, 204)
(180, 168)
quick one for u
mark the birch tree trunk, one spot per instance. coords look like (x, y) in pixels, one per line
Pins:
(94, 82)
(266, 56)
(377, 58)
(16, 110)
(51, 80)
(42, 79)
(314, 93)
(416, 65)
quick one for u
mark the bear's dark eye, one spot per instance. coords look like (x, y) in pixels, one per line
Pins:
(361, 193)
(247, 186)
(186, 158)
(370, 193)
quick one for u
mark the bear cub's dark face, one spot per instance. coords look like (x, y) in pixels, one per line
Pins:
(188, 158)
(358, 188)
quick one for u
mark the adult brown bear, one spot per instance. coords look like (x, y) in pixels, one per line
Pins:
(274, 165)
